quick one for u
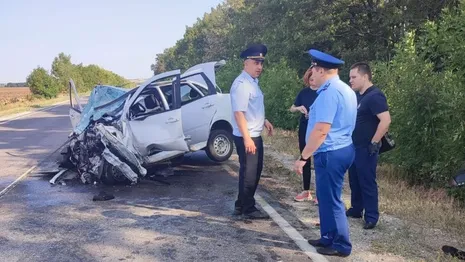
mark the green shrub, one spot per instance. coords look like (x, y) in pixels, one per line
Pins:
(280, 85)
(226, 75)
(428, 117)
(42, 84)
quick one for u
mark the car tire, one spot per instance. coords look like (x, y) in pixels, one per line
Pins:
(220, 145)
(111, 176)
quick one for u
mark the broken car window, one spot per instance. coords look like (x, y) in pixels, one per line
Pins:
(148, 103)
(167, 91)
(188, 94)
(202, 89)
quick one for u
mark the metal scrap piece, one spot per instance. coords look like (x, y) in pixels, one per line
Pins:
(55, 177)
(121, 166)
(110, 141)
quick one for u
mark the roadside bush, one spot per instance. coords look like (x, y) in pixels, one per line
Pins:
(84, 77)
(280, 85)
(42, 84)
(426, 101)
(226, 75)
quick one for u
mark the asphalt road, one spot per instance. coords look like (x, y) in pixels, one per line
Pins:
(187, 220)
(28, 140)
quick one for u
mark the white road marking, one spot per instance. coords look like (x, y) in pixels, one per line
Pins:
(308, 249)
(5, 120)
(4, 191)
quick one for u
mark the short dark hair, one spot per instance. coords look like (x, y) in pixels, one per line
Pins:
(363, 68)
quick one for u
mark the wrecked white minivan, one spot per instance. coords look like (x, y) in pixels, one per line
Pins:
(120, 133)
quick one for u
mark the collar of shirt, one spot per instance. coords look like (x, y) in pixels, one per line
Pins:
(249, 77)
(327, 83)
(369, 89)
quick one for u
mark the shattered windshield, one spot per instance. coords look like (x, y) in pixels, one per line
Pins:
(94, 108)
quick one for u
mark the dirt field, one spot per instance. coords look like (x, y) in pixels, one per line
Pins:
(13, 94)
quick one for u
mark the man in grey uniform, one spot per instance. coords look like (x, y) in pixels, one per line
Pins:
(248, 121)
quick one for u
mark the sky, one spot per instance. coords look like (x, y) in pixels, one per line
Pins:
(120, 36)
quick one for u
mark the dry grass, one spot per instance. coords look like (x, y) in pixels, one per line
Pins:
(427, 207)
(29, 104)
(415, 221)
(19, 99)
(284, 141)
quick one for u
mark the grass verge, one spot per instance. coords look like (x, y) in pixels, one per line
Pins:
(423, 219)
(427, 207)
(25, 105)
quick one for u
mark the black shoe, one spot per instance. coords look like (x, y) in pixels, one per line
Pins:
(237, 211)
(454, 252)
(316, 243)
(369, 225)
(351, 213)
(256, 215)
(327, 251)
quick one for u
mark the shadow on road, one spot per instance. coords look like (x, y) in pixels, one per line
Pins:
(34, 136)
(188, 220)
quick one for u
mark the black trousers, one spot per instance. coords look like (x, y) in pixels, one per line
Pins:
(250, 170)
(307, 171)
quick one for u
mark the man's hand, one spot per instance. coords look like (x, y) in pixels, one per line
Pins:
(303, 110)
(249, 145)
(269, 127)
(374, 147)
(299, 166)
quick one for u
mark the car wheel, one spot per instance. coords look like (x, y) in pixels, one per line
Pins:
(112, 176)
(220, 145)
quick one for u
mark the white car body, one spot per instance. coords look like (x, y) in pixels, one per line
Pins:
(160, 119)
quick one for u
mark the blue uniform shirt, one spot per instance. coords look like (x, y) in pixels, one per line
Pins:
(336, 104)
(247, 97)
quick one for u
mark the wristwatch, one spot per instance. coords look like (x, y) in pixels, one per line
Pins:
(303, 159)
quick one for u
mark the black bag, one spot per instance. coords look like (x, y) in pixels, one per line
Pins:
(387, 143)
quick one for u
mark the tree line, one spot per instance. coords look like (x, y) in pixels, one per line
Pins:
(414, 46)
(48, 85)
(10, 84)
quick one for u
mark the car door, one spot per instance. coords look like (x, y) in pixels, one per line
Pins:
(75, 110)
(197, 111)
(159, 130)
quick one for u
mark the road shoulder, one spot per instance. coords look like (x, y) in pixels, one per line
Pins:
(393, 239)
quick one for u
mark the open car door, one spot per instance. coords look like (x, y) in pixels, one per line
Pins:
(154, 121)
(75, 109)
(198, 102)
(205, 74)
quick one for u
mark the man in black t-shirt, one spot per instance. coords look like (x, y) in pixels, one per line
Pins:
(373, 120)
(302, 104)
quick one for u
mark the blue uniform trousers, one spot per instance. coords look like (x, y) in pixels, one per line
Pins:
(330, 168)
(363, 186)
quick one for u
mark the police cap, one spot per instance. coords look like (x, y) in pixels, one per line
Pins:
(324, 60)
(256, 52)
